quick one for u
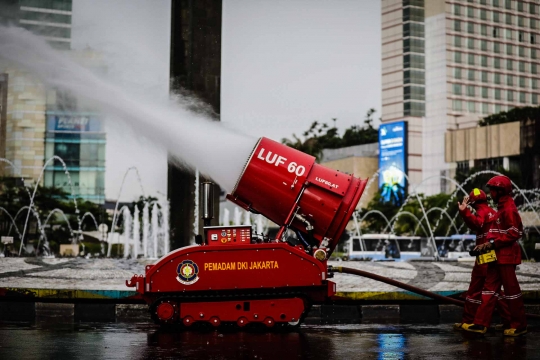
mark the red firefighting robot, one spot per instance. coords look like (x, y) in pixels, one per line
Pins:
(480, 223)
(503, 238)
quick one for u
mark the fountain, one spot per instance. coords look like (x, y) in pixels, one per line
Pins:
(33, 195)
(126, 215)
(226, 217)
(155, 231)
(146, 229)
(237, 217)
(131, 236)
(436, 208)
(247, 218)
(115, 213)
(154, 240)
(528, 205)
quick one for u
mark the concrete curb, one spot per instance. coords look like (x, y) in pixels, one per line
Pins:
(130, 296)
(320, 314)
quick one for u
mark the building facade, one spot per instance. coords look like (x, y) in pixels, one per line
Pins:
(403, 74)
(512, 146)
(50, 19)
(79, 140)
(359, 160)
(481, 57)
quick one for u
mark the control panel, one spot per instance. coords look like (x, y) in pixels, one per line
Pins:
(226, 235)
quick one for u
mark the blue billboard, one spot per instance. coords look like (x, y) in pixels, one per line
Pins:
(73, 123)
(393, 161)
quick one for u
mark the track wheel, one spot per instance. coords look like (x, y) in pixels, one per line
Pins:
(188, 321)
(269, 322)
(241, 322)
(166, 312)
(214, 320)
(294, 323)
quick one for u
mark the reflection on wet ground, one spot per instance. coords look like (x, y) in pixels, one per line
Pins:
(365, 341)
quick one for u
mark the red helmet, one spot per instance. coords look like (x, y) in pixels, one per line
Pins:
(502, 182)
(477, 196)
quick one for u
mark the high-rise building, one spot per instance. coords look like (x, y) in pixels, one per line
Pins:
(403, 80)
(448, 63)
(49, 18)
(38, 122)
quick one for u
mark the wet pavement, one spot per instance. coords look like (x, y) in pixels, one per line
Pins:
(364, 341)
(110, 274)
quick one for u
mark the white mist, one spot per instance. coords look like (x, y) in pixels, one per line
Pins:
(216, 150)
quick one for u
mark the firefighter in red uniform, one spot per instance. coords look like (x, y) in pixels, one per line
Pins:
(480, 223)
(503, 237)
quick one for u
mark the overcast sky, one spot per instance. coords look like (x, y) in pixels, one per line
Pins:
(285, 63)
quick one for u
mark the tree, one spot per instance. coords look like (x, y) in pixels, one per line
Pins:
(321, 136)
(515, 114)
(356, 135)
(140, 203)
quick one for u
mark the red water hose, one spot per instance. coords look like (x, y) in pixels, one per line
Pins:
(405, 286)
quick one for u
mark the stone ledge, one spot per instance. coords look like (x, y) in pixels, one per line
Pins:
(320, 314)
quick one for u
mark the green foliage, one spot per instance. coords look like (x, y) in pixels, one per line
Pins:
(14, 196)
(91, 247)
(516, 114)
(141, 202)
(117, 250)
(357, 135)
(321, 136)
(140, 205)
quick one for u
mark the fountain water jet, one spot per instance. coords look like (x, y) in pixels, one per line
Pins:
(92, 217)
(146, 229)
(136, 232)
(155, 232)
(436, 208)
(115, 213)
(237, 217)
(247, 218)
(127, 230)
(64, 166)
(226, 217)
(12, 222)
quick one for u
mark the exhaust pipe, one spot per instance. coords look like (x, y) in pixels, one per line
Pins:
(207, 202)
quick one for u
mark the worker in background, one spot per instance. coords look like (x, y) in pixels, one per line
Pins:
(503, 237)
(480, 223)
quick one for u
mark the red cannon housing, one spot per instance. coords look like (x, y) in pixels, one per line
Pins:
(234, 277)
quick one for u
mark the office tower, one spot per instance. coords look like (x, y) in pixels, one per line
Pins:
(447, 64)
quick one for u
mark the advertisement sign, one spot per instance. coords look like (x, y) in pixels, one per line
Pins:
(73, 123)
(393, 161)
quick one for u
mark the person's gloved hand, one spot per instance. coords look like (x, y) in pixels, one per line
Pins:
(483, 247)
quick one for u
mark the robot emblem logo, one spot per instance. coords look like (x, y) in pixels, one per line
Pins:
(188, 272)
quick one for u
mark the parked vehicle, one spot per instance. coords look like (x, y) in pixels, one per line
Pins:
(455, 246)
(379, 247)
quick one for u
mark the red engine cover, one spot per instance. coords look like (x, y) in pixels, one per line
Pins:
(255, 266)
(279, 180)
